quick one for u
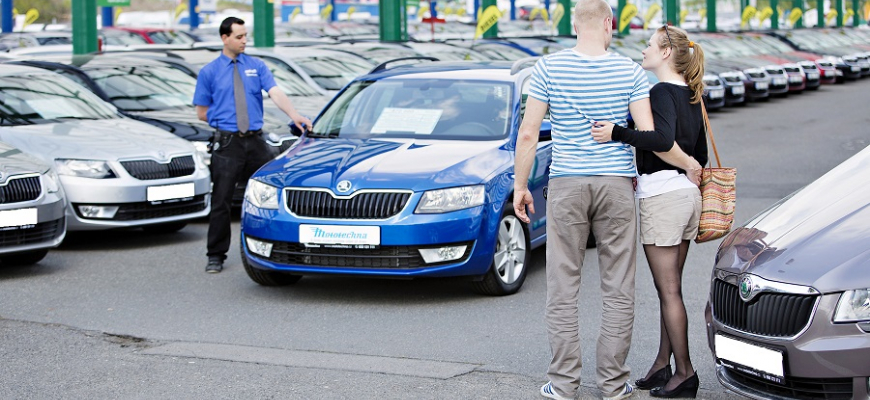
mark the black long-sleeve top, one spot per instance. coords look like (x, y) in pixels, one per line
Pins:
(676, 119)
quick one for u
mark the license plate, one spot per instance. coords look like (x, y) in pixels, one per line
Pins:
(856, 68)
(717, 94)
(340, 234)
(737, 90)
(22, 217)
(170, 192)
(779, 81)
(751, 359)
(812, 76)
(761, 85)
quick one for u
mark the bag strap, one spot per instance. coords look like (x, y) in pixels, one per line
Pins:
(710, 134)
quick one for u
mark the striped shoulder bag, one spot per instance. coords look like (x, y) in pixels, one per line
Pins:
(718, 195)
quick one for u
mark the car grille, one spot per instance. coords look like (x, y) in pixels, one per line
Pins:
(383, 257)
(768, 314)
(150, 169)
(366, 205)
(756, 74)
(797, 388)
(18, 190)
(146, 210)
(39, 233)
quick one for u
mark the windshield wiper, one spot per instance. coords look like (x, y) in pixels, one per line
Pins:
(71, 117)
(328, 135)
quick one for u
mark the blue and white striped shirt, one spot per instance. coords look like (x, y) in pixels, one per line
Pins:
(579, 89)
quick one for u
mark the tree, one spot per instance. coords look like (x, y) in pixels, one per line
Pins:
(49, 10)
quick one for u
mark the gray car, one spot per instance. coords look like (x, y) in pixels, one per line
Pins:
(789, 309)
(117, 172)
(31, 208)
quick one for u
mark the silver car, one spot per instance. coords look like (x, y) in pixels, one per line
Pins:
(31, 208)
(116, 172)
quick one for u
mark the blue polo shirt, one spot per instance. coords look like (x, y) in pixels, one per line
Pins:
(214, 89)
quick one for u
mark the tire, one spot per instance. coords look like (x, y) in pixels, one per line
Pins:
(268, 278)
(511, 259)
(22, 259)
(169, 227)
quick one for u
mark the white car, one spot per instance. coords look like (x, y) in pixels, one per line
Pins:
(117, 172)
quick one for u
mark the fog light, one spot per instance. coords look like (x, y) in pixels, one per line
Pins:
(258, 247)
(447, 253)
(101, 212)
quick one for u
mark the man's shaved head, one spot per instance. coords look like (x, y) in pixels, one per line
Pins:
(588, 12)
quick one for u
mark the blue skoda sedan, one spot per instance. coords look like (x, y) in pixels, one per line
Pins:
(408, 173)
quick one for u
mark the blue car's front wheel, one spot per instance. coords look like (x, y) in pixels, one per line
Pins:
(511, 258)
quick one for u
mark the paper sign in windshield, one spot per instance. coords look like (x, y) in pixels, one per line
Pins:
(417, 120)
(53, 108)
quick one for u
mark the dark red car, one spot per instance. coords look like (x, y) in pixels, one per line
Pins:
(157, 35)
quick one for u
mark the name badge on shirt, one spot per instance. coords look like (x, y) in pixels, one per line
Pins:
(250, 72)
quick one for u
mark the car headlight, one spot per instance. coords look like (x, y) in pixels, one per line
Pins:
(854, 306)
(202, 154)
(446, 200)
(261, 195)
(84, 168)
(52, 181)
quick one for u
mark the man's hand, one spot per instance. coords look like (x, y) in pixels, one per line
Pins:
(523, 198)
(301, 122)
(602, 131)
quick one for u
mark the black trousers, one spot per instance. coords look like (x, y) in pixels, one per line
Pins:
(235, 160)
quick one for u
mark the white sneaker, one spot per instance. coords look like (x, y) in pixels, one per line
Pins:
(550, 393)
(626, 392)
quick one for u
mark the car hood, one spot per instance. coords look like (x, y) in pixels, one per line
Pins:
(184, 123)
(14, 162)
(111, 139)
(816, 237)
(386, 164)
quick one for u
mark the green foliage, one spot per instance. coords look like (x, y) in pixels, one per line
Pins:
(49, 10)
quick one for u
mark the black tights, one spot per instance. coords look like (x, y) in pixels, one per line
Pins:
(666, 264)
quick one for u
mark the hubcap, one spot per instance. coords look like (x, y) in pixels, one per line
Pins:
(510, 251)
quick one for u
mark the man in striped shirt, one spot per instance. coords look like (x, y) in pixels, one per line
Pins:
(590, 188)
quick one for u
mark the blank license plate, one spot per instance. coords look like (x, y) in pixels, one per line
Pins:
(22, 217)
(748, 358)
(339, 234)
(169, 192)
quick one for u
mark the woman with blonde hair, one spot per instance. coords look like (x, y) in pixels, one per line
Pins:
(669, 198)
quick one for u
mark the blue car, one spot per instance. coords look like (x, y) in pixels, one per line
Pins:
(407, 173)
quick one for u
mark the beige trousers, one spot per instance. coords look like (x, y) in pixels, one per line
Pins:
(605, 205)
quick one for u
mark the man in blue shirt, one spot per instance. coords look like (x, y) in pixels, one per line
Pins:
(229, 97)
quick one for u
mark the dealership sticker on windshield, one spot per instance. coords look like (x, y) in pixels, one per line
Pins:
(748, 358)
(415, 120)
(171, 192)
(16, 218)
(340, 234)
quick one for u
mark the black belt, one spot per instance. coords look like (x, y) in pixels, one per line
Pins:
(239, 133)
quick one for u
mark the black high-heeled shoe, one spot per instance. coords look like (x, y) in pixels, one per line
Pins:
(687, 389)
(657, 379)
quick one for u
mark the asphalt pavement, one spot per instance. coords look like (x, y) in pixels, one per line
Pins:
(131, 315)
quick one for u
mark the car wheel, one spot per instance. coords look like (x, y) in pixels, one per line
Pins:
(28, 258)
(511, 259)
(169, 227)
(268, 278)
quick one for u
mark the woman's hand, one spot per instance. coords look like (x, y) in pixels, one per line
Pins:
(602, 131)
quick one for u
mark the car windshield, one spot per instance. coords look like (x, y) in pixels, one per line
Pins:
(122, 38)
(333, 72)
(288, 80)
(169, 37)
(145, 88)
(47, 98)
(419, 108)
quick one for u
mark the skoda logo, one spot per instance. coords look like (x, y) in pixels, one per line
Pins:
(746, 288)
(161, 154)
(343, 186)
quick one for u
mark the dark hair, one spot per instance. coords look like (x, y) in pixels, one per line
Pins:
(688, 58)
(227, 25)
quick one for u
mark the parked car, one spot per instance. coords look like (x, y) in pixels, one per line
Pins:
(329, 69)
(788, 315)
(158, 35)
(30, 39)
(32, 204)
(408, 173)
(116, 171)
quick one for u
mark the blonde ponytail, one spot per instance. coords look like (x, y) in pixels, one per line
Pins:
(688, 58)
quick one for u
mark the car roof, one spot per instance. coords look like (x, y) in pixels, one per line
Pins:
(90, 61)
(499, 71)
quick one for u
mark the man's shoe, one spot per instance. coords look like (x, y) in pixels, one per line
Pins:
(550, 393)
(214, 266)
(626, 392)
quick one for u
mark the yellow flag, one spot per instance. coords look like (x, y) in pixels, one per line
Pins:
(703, 13)
(487, 20)
(765, 13)
(849, 13)
(180, 9)
(534, 13)
(683, 15)
(558, 13)
(294, 13)
(545, 15)
(795, 15)
(448, 11)
(748, 13)
(350, 11)
(326, 11)
(625, 17)
(30, 17)
(118, 12)
(460, 11)
(867, 10)
(830, 16)
(422, 10)
(651, 12)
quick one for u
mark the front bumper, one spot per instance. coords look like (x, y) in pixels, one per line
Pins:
(48, 232)
(396, 255)
(825, 361)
